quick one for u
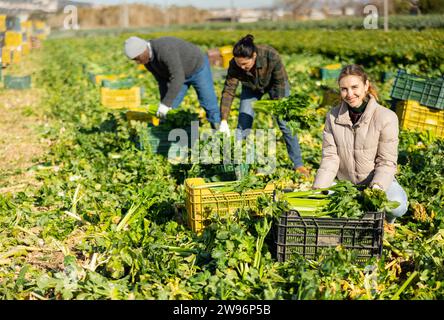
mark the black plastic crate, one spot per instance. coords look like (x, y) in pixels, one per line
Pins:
(427, 91)
(308, 236)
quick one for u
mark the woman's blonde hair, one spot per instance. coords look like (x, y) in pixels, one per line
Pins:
(356, 70)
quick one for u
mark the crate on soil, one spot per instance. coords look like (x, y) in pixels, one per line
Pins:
(124, 83)
(164, 141)
(203, 199)
(13, 82)
(413, 116)
(13, 39)
(6, 55)
(238, 171)
(308, 236)
(120, 98)
(331, 71)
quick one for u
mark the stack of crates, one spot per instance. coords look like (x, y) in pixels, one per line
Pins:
(2, 23)
(12, 51)
(27, 33)
(309, 236)
(2, 39)
(203, 199)
(420, 102)
(40, 30)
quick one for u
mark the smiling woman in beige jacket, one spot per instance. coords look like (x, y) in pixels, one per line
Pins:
(360, 141)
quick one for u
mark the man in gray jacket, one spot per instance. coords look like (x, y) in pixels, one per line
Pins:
(176, 65)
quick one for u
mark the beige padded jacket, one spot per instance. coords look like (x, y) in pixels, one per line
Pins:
(364, 153)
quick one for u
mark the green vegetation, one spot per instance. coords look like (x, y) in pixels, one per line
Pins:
(107, 222)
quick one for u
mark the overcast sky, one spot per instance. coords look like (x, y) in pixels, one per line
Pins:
(196, 3)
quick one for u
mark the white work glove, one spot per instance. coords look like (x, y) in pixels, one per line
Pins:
(162, 111)
(224, 127)
(376, 186)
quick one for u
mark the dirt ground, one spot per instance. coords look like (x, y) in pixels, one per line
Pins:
(20, 144)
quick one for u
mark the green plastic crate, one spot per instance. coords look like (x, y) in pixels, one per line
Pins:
(20, 83)
(427, 91)
(331, 71)
(155, 140)
(119, 84)
(225, 172)
(330, 74)
(238, 170)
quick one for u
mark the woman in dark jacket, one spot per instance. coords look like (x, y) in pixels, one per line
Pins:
(260, 70)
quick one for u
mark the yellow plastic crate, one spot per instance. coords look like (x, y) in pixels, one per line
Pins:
(26, 26)
(13, 39)
(26, 48)
(120, 98)
(41, 36)
(201, 201)
(39, 25)
(2, 23)
(413, 116)
(16, 56)
(135, 115)
(227, 54)
(6, 55)
(334, 66)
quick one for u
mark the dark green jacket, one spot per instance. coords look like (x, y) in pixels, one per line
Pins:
(269, 76)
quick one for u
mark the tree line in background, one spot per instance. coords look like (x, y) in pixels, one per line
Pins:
(140, 15)
(395, 6)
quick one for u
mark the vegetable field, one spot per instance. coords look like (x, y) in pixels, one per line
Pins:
(99, 218)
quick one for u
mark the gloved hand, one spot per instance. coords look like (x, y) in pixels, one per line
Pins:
(162, 111)
(376, 186)
(224, 127)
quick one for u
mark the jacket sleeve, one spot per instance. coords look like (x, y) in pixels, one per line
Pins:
(387, 154)
(228, 93)
(329, 166)
(278, 79)
(176, 77)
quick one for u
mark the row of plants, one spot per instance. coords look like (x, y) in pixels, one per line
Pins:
(367, 47)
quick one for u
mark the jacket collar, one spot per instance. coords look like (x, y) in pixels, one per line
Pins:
(344, 118)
